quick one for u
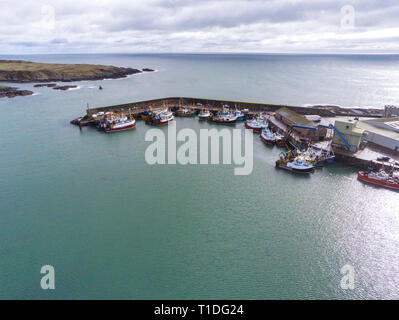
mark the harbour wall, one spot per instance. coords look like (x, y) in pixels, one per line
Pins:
(140, 106)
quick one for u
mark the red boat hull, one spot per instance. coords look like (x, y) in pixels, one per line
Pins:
(270, 142)
(160, 124)
(254, 129)
(130, 127)
(377, 182)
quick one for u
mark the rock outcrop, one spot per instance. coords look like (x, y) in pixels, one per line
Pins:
(11, 92)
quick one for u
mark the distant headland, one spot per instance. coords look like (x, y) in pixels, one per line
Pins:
(20, 71)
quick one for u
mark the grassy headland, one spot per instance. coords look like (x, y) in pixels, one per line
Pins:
(26, 71)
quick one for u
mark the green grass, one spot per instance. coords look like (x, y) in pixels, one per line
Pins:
(18, 65)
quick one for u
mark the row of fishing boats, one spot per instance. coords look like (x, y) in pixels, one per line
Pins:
(110, 122)
(295, 160)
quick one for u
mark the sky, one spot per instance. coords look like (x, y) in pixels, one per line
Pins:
(199, 26)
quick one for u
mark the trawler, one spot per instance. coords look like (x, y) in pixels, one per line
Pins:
(111, 123)
(267, 137)
(185, 112)
(160, 117)
(380, 178)
(204, 115)
(255, 125)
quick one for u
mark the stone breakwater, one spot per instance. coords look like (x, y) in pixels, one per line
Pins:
(199, 103)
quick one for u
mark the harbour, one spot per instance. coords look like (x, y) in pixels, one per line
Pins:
(115, 227)
(294, 117)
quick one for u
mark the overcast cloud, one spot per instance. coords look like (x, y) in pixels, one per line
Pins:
(317, 26)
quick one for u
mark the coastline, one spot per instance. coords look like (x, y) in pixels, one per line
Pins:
(12, 92)
(20, 71)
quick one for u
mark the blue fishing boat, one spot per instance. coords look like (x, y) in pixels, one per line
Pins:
(300, 165)
(267, 137)
(254, 125)
(240, 116)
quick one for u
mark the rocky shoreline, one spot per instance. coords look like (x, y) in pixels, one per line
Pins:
(12, 92)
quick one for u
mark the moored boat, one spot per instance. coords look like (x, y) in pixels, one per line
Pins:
(185, 112)
(288, 162)
(145, 115)
(204, 114)
(112, 123)
(224, 119)
(254, 125)
(281, 141)
(127, 124)
(239, 115)
(300, 165)
(160, 118)
(267, 137)
(381, 178)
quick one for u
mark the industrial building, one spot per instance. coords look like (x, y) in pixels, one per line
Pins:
(347, 135)
(302, 126)
(382, 132)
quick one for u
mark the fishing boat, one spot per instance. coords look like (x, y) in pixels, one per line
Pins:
(240, 116)
(111, 123)
(160, 118)
(122, 125)
(204, 115)
(267, 137)
(185, 112)
(288, 162)
(144, 115)
(380, 178)
(254, 125)
(300, 165)
(224, 119)
(319, 157)
(281, 141)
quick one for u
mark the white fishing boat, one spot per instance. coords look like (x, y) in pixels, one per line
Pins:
(115, 123)
(204, 114)
(240, 116)
(161, 117)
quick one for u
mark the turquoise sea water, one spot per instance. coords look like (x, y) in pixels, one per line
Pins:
(115, 227)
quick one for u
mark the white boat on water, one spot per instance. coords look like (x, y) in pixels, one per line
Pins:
(203, 115)
(300, 165)
(111, 123)
(160, 117)
(240, 116)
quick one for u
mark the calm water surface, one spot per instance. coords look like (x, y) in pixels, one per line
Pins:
(115, 227)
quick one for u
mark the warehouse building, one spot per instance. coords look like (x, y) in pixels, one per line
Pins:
(307, 128)
(382, 132)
